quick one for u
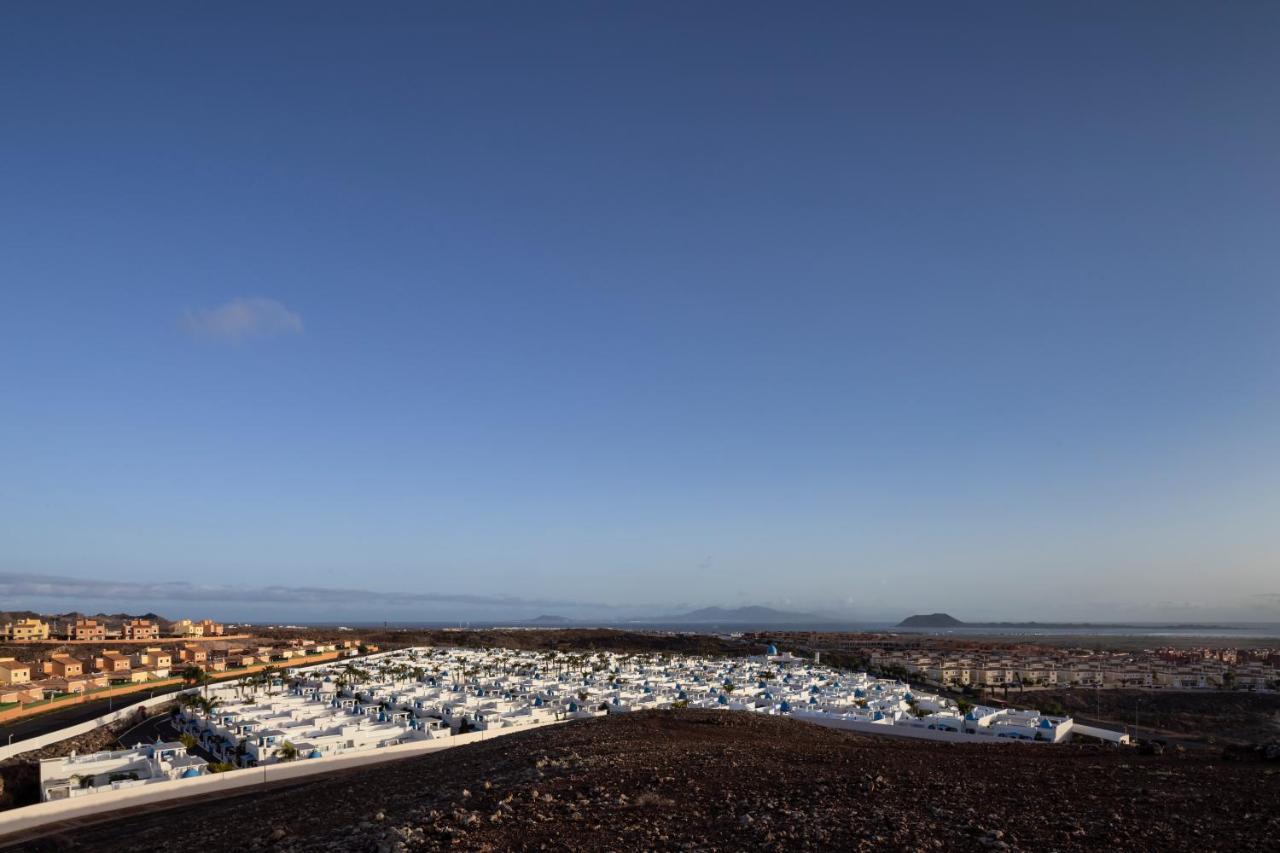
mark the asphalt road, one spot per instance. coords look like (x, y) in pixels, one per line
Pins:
(158, 726)
(53, 720)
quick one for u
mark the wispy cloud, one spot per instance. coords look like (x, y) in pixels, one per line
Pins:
(243, 318)
(23, 586)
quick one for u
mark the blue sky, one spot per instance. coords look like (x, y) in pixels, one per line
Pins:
(863, 309)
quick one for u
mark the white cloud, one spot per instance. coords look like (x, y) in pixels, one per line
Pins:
(243, 318)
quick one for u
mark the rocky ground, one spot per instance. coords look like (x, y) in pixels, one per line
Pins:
(706, 780)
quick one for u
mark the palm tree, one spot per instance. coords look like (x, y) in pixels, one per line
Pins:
(287, 752)
(194, 675)
(265, 677)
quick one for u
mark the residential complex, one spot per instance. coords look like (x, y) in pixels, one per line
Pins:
(74, 670)
(427, 694)
(1082, 668)
(85, 629)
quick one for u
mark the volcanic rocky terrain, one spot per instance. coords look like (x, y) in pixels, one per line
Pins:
(705, 780)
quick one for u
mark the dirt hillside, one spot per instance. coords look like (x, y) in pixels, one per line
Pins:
(702, 780)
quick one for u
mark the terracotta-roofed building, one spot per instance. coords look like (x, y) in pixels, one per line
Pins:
(193, 654)
(141, 629)
(86, 630)
(115, 662)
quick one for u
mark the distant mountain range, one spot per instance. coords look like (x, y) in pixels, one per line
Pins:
(754, 615)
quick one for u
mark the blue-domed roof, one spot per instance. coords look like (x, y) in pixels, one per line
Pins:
(773, 650)
(785, 706)
(723, 700)
(1046, 724)
(573, 707)
(877, 716)
(315, 753)
(190, 773)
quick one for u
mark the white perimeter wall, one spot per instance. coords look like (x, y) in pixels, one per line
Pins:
(230, 782)
(907, 731)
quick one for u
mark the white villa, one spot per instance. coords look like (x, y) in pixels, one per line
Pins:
(78, 775)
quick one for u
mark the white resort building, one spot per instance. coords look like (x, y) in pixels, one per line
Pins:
(78, 775)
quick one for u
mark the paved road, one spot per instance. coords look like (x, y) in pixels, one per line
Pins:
(53, 720)
(158, 726)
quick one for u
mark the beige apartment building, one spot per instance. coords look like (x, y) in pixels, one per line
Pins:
(64, 666)
(114, 662)
(157, 658)
(193, 654)
(25, 631)
(14, 672)
(141, 629)
(187, 628)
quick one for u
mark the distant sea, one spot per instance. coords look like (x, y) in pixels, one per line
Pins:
(1251, 631)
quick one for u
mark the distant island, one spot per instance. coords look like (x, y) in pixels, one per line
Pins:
(547, 619)
(930, 620)
(946, 620)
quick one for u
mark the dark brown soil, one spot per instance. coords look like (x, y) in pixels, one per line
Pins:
(700, 780)
(1204, 716)
(578, 640)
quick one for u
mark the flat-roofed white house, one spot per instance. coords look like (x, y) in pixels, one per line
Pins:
(78, 775)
